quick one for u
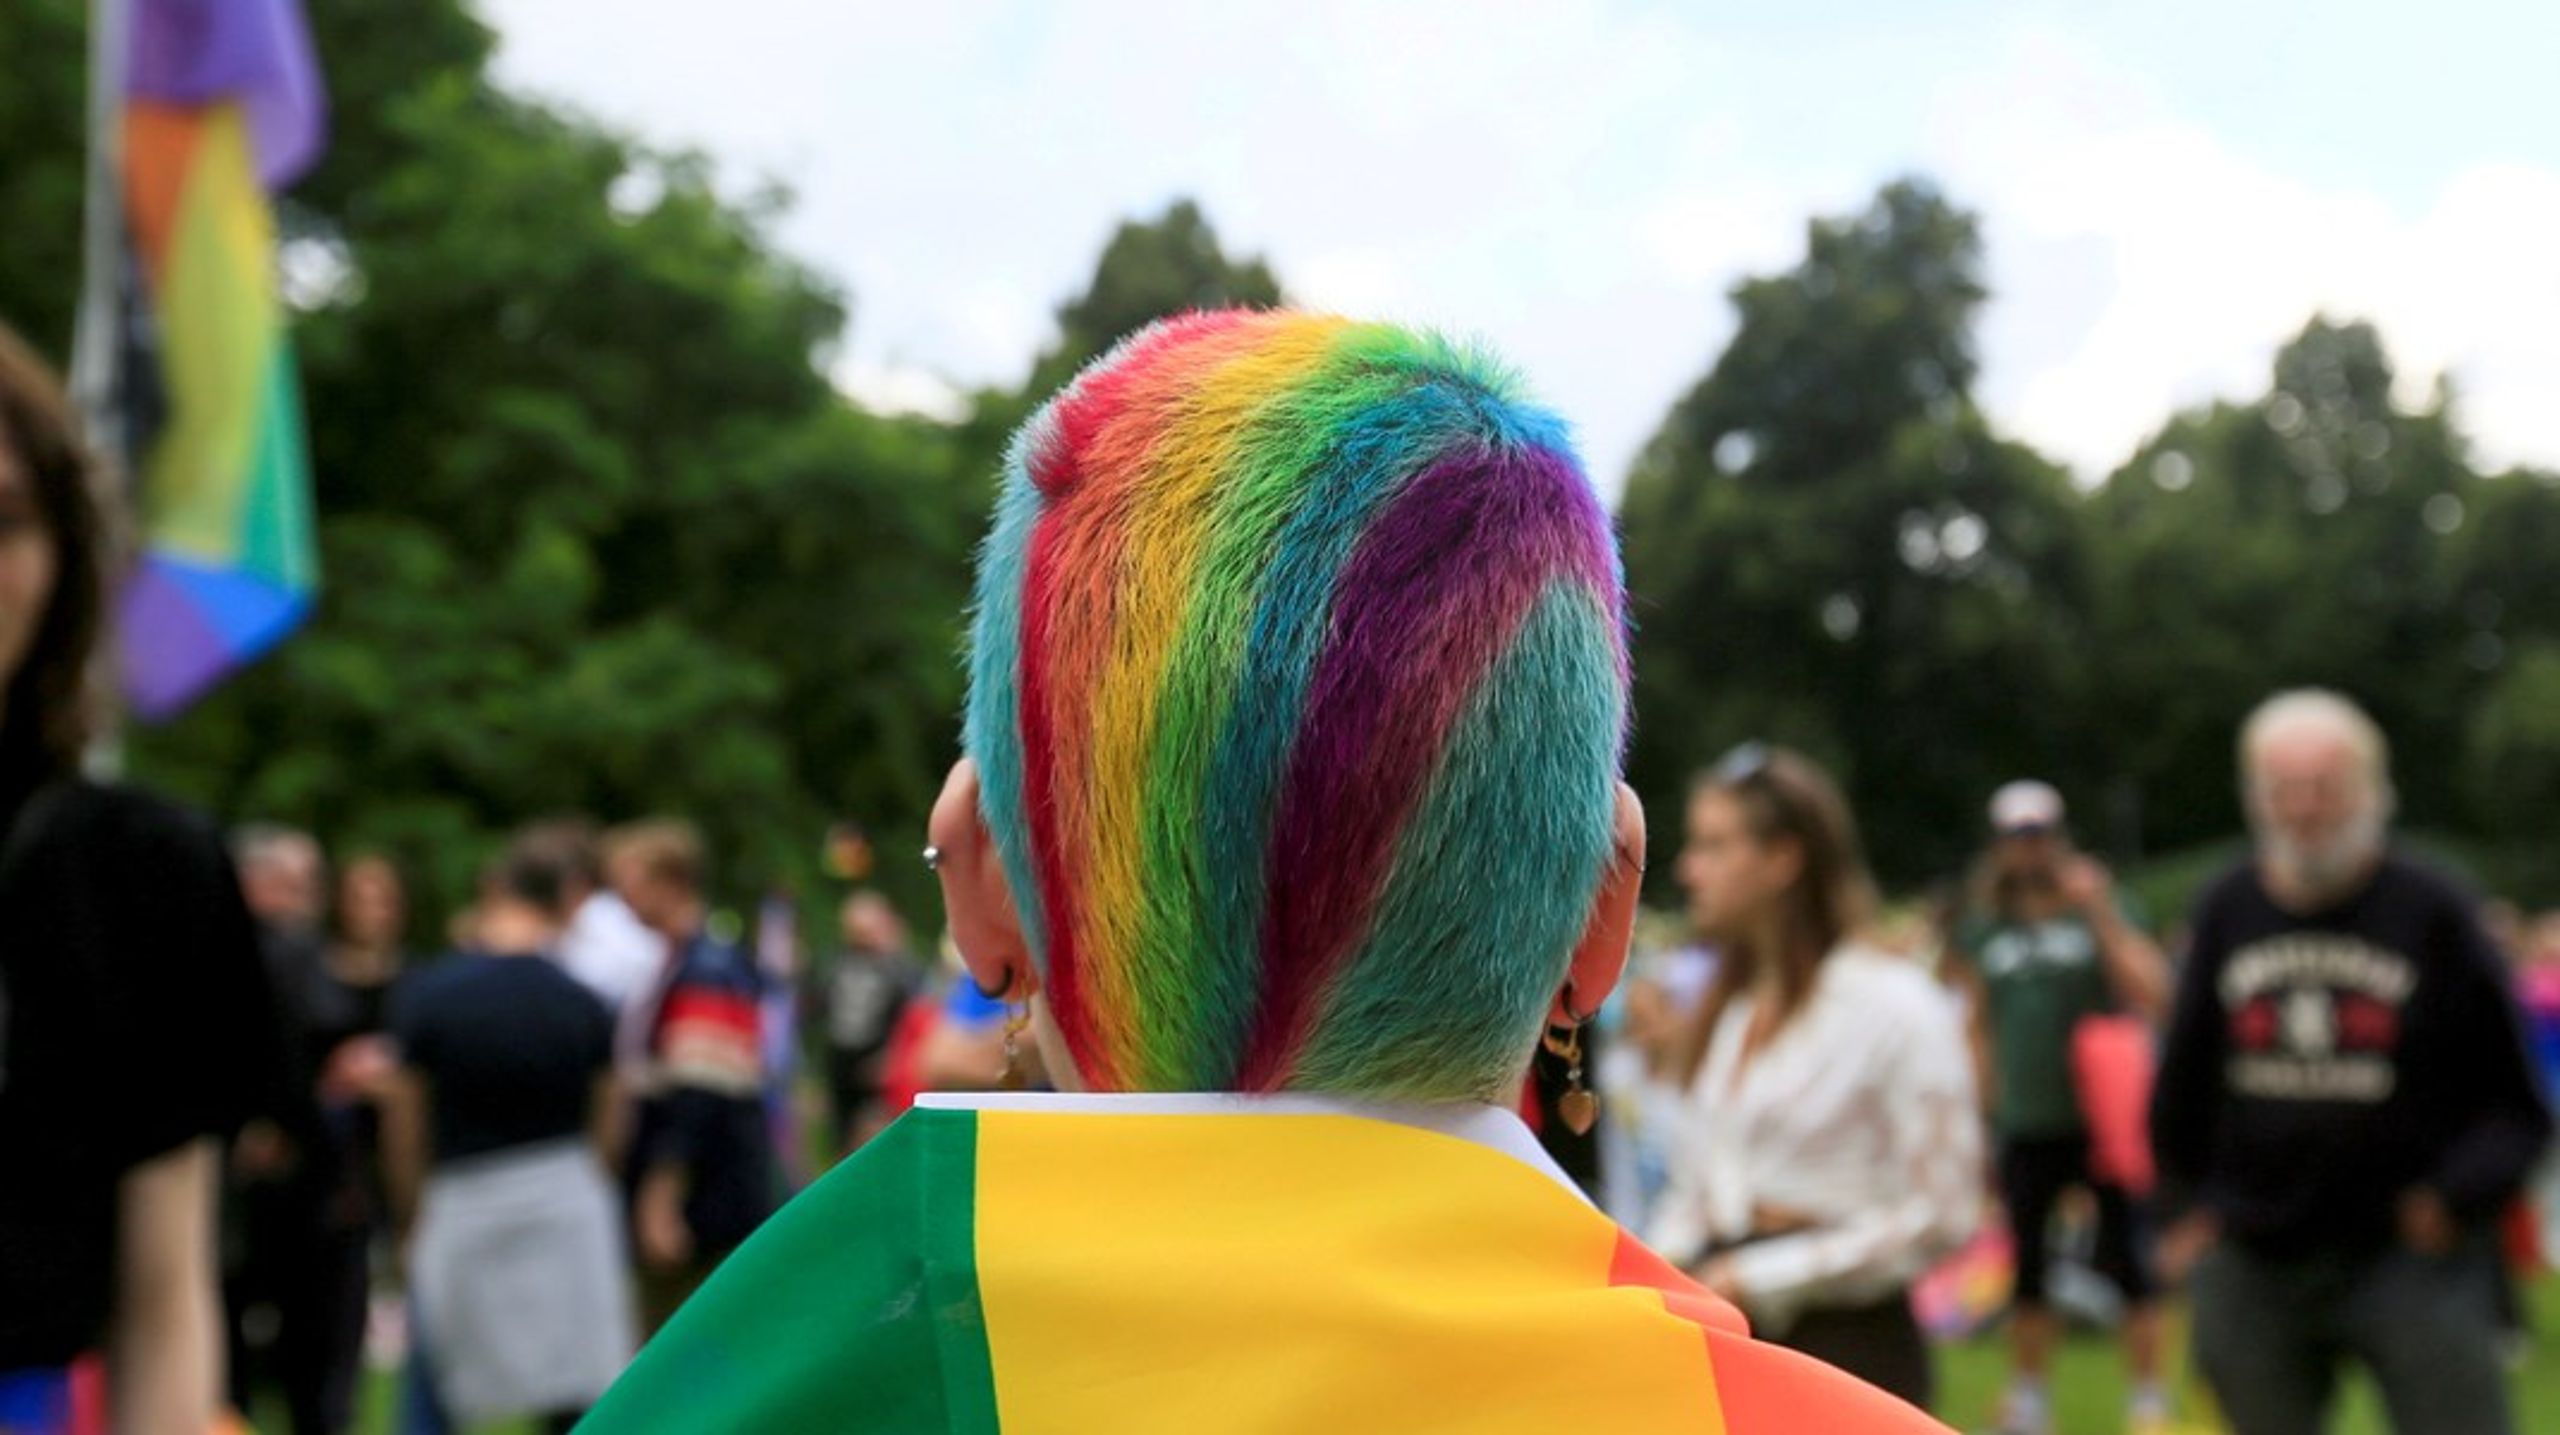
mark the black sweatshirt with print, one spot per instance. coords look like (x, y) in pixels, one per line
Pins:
(2318, 1066)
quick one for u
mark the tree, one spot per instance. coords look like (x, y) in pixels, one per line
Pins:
(44, 136)
(1151, 269)
(1827, 546)
(598, 533)
(1148, 270)
(2302, 539)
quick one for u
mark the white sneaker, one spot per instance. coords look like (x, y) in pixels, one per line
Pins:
(2025, 1410)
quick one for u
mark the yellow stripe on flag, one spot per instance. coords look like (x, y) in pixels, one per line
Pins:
(219, 319)
(1153, 1274)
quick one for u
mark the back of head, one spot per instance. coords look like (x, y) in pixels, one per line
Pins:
(1298, 689)
(537, 871)
(575, 843)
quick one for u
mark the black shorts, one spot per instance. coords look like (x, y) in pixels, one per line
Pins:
(2034, 1172)
(853, 1082)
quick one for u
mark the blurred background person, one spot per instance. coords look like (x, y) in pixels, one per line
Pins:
(866, 989)
(498, 1137)
(137, 1030)
(366, 955)
(1832, 1151)
(2539, 987)
(367, 948)
(700, 1174)
(2345, 1101)
(606, 948)
(1643, 1070)
(2048, 947)
(301, 1199)
(950, 1038)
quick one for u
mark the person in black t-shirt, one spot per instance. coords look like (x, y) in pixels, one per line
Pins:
(2345, 1102)
(865, 991)
(700, 1173)
(496, 1138)
(295, 1287)
(136, 1028)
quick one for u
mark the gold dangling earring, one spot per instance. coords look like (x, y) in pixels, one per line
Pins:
(1578, 1107)
(1016, 1021)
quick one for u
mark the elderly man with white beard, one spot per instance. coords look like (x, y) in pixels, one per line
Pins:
(2344, 1103)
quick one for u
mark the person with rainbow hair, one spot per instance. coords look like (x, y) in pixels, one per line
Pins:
(1290, 813)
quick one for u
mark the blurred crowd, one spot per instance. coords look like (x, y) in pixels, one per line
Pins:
(511, 1161)
(2320, 1106)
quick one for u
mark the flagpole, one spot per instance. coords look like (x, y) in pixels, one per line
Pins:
(97, 335)
(95, 342)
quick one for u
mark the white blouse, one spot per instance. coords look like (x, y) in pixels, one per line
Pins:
(1859, 1116)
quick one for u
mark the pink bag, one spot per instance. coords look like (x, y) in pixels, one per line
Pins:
(2112, 1063)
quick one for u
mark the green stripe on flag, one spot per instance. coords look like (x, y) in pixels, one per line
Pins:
(855, 1308)
(275, 540)
(950, 1218)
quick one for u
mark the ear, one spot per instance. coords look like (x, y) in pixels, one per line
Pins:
(1601, 956)
(985, 925)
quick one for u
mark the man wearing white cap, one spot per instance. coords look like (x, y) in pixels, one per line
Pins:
(2050, 947)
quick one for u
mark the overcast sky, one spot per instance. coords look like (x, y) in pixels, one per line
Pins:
(2168, 189)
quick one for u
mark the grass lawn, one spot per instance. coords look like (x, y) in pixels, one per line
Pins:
(2089, 1382)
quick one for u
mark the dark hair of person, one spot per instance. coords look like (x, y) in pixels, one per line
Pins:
(537, 870)
(53, 710)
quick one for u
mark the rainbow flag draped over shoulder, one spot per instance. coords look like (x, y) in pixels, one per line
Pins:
(220, 105)
(1073, 1270)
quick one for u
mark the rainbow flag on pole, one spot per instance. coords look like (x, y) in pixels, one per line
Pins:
(1043, 1267)
(205, 108)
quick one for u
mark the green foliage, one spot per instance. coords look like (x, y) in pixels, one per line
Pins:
(2293, 540)
(598, 534)
(2514, 743)
(1829, 548)
(44, 128)
(1148, 270)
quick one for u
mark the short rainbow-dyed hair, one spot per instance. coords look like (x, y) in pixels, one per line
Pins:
(1298, 690)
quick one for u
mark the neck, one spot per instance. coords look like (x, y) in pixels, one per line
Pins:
(1772, 948)
(2030, 896)
(680, 922)
(511, 931)
(2290, 890)
(362, 961)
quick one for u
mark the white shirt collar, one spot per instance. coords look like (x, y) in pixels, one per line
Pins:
(1489, 1126)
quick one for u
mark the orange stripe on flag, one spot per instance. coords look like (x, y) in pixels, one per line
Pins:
(1765, 1387)
(159, 148)
(1635, 1264)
